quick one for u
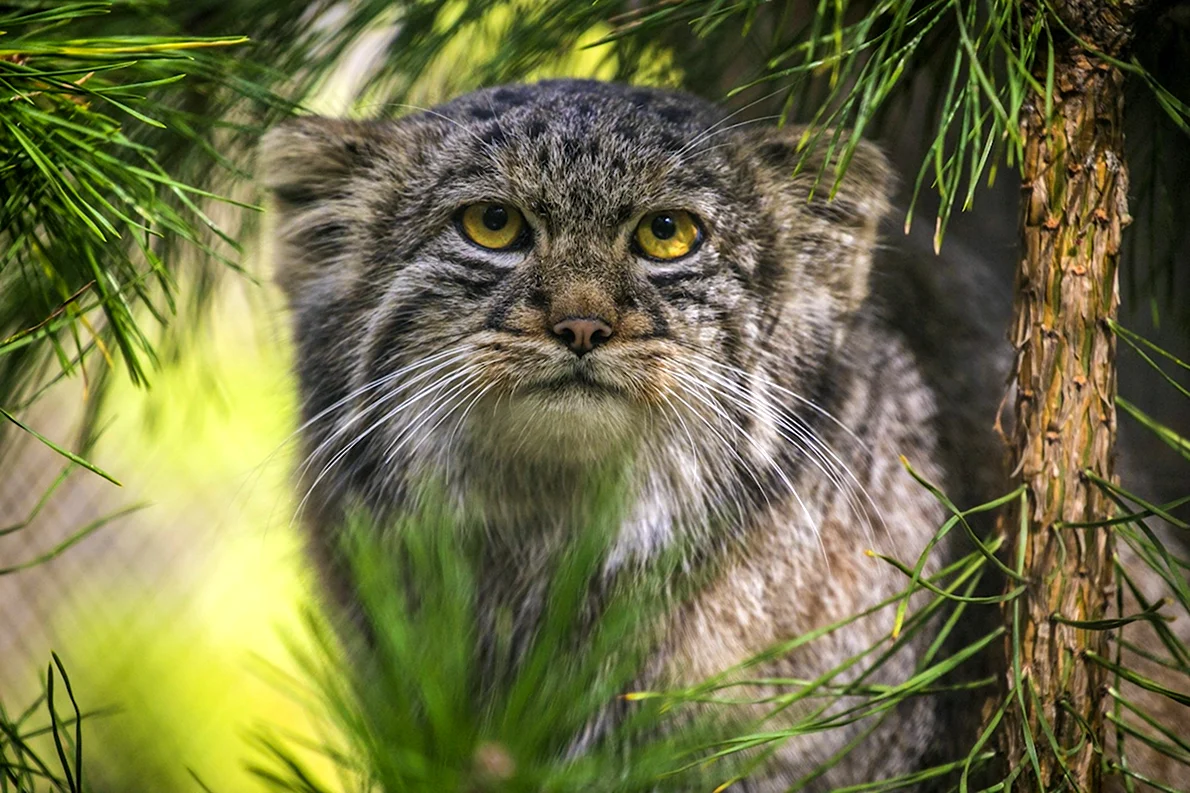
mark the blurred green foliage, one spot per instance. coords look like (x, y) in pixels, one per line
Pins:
(413, 710)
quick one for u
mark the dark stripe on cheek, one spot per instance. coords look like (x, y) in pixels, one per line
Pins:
(838, 211)
(732, 340)
(475, 276)
(472, 288)
(322, 236)
(674, 277)
(504, 303)
(741, 275)
(768, 272)
(688, 293)
(475, 264)
(400, 323)
(516, 287)
(660, 323)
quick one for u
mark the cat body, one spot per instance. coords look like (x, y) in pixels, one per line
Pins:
(757, 393)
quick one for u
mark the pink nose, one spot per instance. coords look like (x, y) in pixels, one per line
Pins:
(582, 334)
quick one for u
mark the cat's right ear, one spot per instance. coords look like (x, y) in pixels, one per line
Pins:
(309, 159)
(312, 167)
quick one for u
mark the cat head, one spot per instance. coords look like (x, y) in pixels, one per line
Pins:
(540, 277)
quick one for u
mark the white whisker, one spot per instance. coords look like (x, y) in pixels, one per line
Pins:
(463, 417)
(457, 355)
(368, 386)
(728, 445)
(461, 383)
(796, 396)
(488, 149)
(690, 444)
(421, 394)
(711, 129)
(805, 439)
(811, 524)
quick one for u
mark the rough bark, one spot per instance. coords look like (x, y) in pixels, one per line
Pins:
(1074, 204)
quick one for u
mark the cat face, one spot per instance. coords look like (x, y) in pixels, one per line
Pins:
(549, 275)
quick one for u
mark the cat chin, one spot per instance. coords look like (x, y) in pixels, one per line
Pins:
(566, 427)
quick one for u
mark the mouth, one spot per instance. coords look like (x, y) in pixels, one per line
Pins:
(567, 412)
(581, 377)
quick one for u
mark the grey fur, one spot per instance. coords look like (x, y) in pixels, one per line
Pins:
(761, 391)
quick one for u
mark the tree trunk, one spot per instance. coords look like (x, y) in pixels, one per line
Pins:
(1074, 204)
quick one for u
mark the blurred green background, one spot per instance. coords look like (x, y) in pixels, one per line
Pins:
(160, 613)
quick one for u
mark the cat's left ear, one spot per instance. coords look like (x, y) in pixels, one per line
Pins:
(834, 225)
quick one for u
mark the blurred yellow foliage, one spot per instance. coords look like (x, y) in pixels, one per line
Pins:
(175, 652)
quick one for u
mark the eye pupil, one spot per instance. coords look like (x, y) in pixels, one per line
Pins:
(664, 227)
(495, 217)
(667, 234)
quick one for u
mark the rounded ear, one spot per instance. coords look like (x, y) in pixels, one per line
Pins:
(835, 219)
(812, 158)
(310, 158)
(806, 158)
(314, 167)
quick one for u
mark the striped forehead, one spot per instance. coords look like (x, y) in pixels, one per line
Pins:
(592, 154)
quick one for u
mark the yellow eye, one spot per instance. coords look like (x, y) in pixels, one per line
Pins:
(668, 234)
(492, 225)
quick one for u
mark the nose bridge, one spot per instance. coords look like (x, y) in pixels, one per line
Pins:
(581, 297)
(580, 282)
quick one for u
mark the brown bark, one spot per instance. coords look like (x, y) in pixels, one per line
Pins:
(1074, 204)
